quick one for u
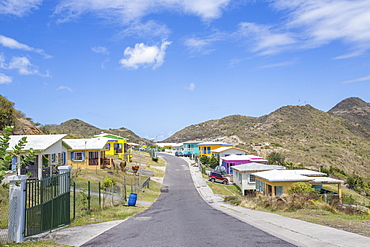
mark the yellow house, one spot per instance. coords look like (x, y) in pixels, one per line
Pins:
(87, 153)
(116, 145)
(277, 182)
(206, 148)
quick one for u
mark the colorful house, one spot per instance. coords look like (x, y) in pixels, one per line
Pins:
(191, 147)
(227, 151)
(116, 145)
(277, 182)
(88, 153)
(243, 175)
(206, 148)
(51, 151)
(235, 160)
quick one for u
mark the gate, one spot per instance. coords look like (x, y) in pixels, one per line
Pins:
(47, 204)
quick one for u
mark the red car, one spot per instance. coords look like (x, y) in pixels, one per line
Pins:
(217, 177)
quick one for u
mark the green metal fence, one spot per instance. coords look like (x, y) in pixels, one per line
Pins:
(47, 204)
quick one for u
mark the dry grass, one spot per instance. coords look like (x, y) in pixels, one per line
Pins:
(308, 209)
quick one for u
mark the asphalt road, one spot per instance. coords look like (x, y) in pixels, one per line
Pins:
(180, 217)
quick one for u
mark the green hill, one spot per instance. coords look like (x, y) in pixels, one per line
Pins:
(303, 134)
(76, 128)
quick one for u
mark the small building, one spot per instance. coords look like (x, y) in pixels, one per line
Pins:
(243, 175)
(227, 151)
(88, 153)
(206, 148)
(235, 160)
(191, 147)
(51, 151)
(277, 182)
(116, 145)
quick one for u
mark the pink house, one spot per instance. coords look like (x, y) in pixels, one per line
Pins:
(234, 160)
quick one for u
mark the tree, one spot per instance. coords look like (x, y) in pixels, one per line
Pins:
(214, 161)
(276, 158)
(6, 155)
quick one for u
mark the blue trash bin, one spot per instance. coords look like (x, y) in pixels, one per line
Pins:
(132, 199)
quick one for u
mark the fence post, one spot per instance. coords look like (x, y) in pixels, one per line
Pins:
(17, 208)
(63, 183)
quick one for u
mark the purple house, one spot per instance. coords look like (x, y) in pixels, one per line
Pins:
(234, 160)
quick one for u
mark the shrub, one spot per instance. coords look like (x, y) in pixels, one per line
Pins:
(235, 200)
(108, 182)
(301, 188)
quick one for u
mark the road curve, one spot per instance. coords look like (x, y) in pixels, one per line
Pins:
(180, 217)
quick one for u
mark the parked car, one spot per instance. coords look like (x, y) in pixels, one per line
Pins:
(187, 154)
(217, 177)
(179, 154)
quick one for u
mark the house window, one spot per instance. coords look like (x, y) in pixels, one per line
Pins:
(260, 186)
(251, 178)
(208, 150)
(240, 178)
(93, 155)
(53, 158)
(77, 156)
(279, 190)
(107, 146)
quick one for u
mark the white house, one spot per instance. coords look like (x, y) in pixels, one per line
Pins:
(244, 178)
(227, 151)
(51, 150)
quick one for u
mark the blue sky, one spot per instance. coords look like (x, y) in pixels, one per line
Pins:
(156, 66)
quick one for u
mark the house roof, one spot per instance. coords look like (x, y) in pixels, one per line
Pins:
(110, 136)
(223, 149)
(242, 157)
(325, 180)
(87, 144)
(256, 167)
(281, 176)
(213, 143)
(293, 175)
(36, 142)
(190, 142)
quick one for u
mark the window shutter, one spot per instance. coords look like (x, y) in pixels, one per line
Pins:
(249, 178)
(72, 156)
(64, 158)
(83, 155)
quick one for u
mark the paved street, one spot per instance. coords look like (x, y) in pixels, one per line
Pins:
(180, 217)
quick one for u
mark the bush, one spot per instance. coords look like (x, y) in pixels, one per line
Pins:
(235, 200)
(301, 188)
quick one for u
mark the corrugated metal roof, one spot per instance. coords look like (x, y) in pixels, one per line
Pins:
(36, 142)
(326, 180)
(87, 144)
(256, 167)
(212, 143)
(242, 157)
(281, 175)
(222, 149)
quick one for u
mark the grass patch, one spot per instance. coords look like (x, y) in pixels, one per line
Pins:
(39, 243)
(226, 190)
(308, 208)
(350, 194)
(4, 205)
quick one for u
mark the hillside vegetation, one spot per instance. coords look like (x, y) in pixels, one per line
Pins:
(303, 134)
(76, 128)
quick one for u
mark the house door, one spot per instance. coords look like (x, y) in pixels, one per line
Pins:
(269, 190)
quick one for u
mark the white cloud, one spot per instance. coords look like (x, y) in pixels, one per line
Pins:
(203, 44)
(360, 79)
(13, 44)
(281, 64)
(142, 55)
(319, 22)
(129, 10)
(100, 49)
(4, 79)
(23, 65)
(18, 7)
(142, 30)
(191, 87)
(266, 39)
(64, 88)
